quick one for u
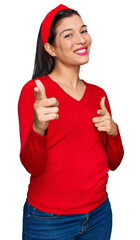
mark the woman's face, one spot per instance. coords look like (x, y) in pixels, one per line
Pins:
(71, 34)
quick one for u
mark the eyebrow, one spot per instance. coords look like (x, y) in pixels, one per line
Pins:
(72, 29)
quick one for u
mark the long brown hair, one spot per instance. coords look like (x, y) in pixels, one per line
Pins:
(44, 63)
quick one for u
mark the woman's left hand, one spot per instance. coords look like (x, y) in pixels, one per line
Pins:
(105, 121)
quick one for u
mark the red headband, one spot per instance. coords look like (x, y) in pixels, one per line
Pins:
(46, 24)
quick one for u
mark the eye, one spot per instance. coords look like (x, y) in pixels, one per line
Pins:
(84, 31)
(67, 35)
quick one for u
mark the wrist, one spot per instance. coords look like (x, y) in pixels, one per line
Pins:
(114, 132)
(37, 130)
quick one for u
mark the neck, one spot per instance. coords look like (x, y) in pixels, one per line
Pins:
(66, 75)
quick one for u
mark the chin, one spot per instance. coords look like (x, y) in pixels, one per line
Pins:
(81, 63)
(84, 61)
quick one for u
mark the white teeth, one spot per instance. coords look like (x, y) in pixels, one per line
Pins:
(81, 51)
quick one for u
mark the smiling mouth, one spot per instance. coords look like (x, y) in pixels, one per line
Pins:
(81, 52)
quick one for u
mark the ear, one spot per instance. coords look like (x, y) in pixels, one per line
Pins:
(50, 49)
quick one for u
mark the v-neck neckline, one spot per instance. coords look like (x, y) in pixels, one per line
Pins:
(66, 95)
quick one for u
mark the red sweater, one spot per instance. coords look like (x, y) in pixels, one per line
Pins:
(69, 165)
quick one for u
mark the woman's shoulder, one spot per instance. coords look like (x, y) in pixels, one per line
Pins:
(30, 84)
(27, 90)
(96, 88)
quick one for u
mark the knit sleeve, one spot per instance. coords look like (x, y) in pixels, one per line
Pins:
(33, 151)
(114, 146)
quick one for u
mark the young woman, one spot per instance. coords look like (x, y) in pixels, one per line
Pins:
(69, 140)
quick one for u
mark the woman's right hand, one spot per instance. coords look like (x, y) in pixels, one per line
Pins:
(45, 109)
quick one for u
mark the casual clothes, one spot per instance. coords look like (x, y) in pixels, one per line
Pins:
(97, 224)
(69, 165)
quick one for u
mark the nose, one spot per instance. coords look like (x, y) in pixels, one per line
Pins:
(80, 39)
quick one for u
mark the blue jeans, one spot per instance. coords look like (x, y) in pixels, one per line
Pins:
(94, 225)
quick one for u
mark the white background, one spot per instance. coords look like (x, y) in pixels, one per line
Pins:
(114, 65)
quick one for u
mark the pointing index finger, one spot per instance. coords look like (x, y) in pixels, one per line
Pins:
(40, 92)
